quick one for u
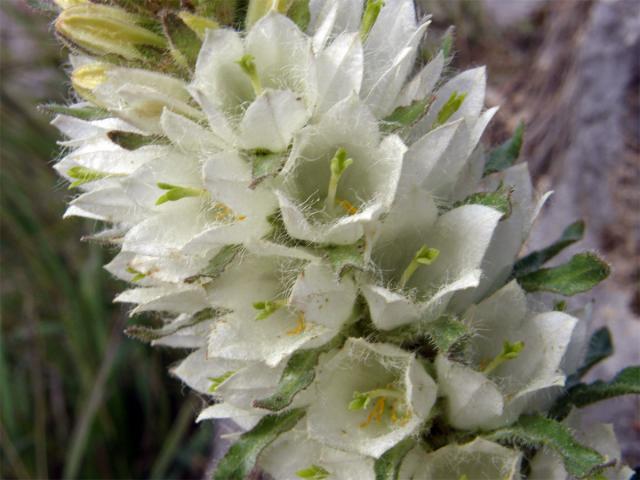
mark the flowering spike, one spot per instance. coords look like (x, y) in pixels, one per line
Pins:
(339, 163)
(424, 256)
(248, 65)
(371, 12)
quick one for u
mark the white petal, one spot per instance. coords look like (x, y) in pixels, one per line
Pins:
(188, 135)
(271, 121)
(165, 299)
(422, 84)
(389, 309)
(198, 368)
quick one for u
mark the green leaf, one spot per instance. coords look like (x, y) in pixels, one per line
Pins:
(146, 334)
(387, 467)
(600, 347)
(343, 257)
(297, 375)
(133, 141)
(184, 43)
(445, 332)
(571, 234)
(218, 263)
(580, 274)
(407, 115)
(83, 113)
(537, 431)
(242, 456)
(627, 382)
(505, 155)
(451, 106)
(264, 164)
(499, 200)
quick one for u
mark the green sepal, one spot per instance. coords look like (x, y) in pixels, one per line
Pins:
(446, 42)
(133, 141)
(314, 472)
(387, 467)
(298, 12)
(147, 334)
(217, 381)
(537, 431)
(499, 200)
(451, 106)
(345, 257)
(241, 457)
(184, 43)
(505, 155)
(407, 115)
(264, 164)
(627, 382)
(445, 332)
(580, 274)
(533, 261)
(600, 348)
(218, 264)
(298, 374)
(82, 113)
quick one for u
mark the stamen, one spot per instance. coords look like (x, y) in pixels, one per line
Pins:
(248, 65)
(510, 351)
(339, 163)
(424, 256)
(348, 207)
(300, 325)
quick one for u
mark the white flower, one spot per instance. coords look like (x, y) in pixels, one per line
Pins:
(370, 397)
(478, 459)
(500, 385)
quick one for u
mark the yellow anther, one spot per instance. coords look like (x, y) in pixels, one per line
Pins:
(300, 325)
(348, 207)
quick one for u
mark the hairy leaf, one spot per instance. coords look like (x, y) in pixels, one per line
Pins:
(387, 467)
(183, 41)
(297, 375)
(133, 141)
(627, 382)
(242, 456)
(499, 200)
(505, 155)
(573, 233)
(146, 334)
(600, 347)
(83, 113)
(580, 274)
(537, 431)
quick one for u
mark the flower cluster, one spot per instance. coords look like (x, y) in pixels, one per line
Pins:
(306, 204)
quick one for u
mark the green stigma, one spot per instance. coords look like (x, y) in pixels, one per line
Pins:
(248, 65)
(510, 351)
(371, 12)
(424, 256)
(339, 163)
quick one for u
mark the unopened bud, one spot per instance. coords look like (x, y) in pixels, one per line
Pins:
(104, 30)
(87, 78)
(64, 4)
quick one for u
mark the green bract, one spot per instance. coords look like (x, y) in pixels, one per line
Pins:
(306, 204)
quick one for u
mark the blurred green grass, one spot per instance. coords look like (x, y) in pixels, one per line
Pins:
(77, 398)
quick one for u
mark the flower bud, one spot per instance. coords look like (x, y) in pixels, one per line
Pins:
(64, 4)
(87, 78)
(105, 30)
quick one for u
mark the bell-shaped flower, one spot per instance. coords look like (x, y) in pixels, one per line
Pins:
(477, 460)
(369, 397)
(294, 456)
(340, 177)
(513, 365)
(425, 263)
(277, 306)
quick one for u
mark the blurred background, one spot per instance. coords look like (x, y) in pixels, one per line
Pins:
(78, 399)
